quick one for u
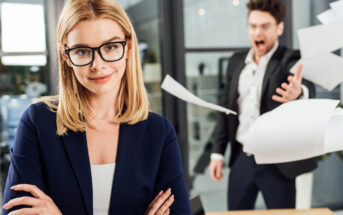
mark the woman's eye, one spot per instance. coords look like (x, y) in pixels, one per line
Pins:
(111, 47)
(82, 52)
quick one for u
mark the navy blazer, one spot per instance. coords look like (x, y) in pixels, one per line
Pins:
(148, 160)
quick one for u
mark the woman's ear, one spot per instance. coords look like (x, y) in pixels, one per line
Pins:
(128, 47)
(63, 54)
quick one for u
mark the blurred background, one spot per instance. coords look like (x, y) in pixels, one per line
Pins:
(191, 40)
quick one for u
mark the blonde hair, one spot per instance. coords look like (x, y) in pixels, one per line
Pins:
(71, 105)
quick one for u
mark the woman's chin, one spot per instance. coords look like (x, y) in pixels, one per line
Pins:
(100, 91)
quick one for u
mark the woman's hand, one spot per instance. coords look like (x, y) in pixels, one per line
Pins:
(40, 203)
(160, 205)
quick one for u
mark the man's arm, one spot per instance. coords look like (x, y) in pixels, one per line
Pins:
(221, 134)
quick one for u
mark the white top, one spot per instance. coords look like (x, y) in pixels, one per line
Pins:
(250, 89)
(102, 180)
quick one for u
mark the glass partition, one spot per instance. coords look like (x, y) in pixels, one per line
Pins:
(23, 67)
(220, 23)
(147, 27)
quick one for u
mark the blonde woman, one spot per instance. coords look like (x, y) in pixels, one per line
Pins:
(95, 148)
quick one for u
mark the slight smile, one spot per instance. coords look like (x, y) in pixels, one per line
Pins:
(101, 79)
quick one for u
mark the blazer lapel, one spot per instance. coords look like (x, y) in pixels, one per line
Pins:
(130, 141)
(233, 92)
(273, 63)
(76, 147)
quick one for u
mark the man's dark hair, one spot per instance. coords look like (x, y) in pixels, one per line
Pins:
(275, 7)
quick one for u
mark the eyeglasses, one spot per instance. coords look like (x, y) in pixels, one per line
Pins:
(263, 27)
(84, 55)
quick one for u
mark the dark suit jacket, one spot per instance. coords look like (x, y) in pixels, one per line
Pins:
(148, 161)
(277, 72)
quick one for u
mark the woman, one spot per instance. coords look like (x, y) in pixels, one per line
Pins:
(95, 148)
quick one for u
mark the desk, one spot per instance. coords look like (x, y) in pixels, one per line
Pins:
(316, 211)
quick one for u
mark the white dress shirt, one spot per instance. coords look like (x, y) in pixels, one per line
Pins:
(102, 180)
(249, 89)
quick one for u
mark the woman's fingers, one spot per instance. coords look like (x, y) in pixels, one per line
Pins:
(159, 202)
(25, 200)
(166, 205)
(167, 212)
(26, 211)
(34, 190)
(157, 196)
(39, 203)
(155, 199)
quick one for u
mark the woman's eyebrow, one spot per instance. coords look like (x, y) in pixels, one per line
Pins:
(112, 39)
(85, 45)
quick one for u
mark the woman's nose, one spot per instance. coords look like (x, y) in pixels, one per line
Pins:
(97, 62)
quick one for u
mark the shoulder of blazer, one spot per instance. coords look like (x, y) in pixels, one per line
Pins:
(237, 59)
(288, 58)
(39, 113)
(290, 55)
(240, 55)
(41, 107)
(285, 55)
(159, 123)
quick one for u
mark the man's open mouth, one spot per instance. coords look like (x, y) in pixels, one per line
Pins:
(259, 42)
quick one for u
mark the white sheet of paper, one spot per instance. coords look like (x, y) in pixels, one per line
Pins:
(334, 134)
(320, 65)
(327, 16)
(321, 38)
(293, 131)
(337, 7)
(176, 89)
(323, 69)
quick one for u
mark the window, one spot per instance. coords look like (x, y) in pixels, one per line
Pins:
(23, 67)
(23, 48)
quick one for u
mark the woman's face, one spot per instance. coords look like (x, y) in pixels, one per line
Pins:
(99, 77)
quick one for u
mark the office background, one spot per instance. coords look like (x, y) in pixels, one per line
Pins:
(192, 40)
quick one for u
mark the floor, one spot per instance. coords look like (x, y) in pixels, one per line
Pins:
(213, 194)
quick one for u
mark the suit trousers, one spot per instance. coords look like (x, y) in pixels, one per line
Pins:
(247, 178)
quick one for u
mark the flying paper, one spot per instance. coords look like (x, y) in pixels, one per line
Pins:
(327, 16)
(296, 130)
(317, 43)
(337, 7)
(333, 14)
(176, 89)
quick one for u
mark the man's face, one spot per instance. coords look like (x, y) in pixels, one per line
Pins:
(263, 31)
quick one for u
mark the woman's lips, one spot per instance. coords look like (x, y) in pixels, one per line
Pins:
(101, 79)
